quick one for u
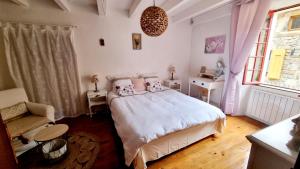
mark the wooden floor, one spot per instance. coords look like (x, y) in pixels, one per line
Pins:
(229, 150)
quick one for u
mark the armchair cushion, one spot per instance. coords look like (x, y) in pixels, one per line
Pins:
(13, 111)
(41, 110)
(22, 125)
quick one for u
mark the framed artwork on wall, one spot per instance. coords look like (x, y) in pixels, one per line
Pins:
(294, 23)
(137, 41)
(215, 44)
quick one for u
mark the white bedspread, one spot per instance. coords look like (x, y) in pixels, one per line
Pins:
(145, 117)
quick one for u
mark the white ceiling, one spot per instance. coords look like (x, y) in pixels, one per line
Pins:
(178, 10)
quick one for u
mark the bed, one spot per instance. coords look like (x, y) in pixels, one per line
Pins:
(154, 124)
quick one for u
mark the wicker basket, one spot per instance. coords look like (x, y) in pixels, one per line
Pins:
(54, 149)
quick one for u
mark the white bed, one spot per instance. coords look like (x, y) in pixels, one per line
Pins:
(152, 125)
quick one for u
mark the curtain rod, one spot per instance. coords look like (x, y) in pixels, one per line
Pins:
(31, 23)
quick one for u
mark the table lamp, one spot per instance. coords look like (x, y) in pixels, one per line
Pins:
(172, 71)
(95, 80)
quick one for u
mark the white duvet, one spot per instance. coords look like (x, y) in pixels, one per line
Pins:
(147, 116)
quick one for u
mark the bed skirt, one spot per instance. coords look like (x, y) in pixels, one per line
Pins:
(175, 141)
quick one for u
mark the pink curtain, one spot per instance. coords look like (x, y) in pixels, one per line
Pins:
(246, 21)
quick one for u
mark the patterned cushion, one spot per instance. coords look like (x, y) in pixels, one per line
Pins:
(13, 111)
(22, 125)
(121, 82)
(154, 86)
(125, 90)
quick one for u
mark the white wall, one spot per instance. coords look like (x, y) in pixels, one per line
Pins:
(217, 22)
(117, 57)
(211, 24)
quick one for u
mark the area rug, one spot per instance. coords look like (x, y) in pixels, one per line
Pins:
(82, 152)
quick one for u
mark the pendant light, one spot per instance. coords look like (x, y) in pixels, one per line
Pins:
(154, 21)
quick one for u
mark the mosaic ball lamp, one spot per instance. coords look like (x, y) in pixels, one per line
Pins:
(154, 21)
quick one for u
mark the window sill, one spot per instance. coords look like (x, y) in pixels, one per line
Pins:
(274, 87)
(279, 88)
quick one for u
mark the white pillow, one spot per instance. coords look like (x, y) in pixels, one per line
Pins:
(113, 78)
(152, 79)
(147, 75)
(121, 83)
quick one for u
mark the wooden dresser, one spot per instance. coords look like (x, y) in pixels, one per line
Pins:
(269, 148)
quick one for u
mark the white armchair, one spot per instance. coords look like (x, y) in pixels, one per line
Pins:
(23, 119)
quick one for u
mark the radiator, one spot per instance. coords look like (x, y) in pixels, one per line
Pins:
(271, 106)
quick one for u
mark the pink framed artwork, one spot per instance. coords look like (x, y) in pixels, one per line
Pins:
(215, 44)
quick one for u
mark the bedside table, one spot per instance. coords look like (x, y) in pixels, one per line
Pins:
(173, 84)
(96, 99)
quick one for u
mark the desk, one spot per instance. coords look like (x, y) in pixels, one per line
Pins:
(206, 83)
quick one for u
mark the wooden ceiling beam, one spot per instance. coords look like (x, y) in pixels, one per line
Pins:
(134, 6)
(102, 7)
(63, 4)
(202, 7)
(171, 5)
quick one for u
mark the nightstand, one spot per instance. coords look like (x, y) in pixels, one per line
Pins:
(173, 84)
(96, 99)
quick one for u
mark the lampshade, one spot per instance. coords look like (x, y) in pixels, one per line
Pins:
(94, 78)
(172, 69)
(154, 21)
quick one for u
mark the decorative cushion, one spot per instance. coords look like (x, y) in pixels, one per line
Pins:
(139, 84)
(20, 126)
(152, 79)
(154, 86)
(125, 90)
(13, 111)
(121, 83)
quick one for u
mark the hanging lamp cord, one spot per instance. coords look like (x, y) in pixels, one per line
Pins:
(153, 2)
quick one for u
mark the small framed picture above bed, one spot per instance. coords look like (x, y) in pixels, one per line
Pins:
(136, 41)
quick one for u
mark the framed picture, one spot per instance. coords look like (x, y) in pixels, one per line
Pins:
(137, 41)
(294, 23)
(215, 44)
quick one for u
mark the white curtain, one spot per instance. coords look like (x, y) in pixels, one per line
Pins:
(42, 59)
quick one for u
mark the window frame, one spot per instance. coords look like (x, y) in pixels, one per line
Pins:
(244, 82)
(258, 43)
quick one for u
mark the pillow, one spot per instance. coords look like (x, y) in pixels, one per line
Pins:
(138, 84)
(126, 90)
(121, 83)
(147, 75)
(152, 79)
(154, 86)
(113, 78)
(13, 111)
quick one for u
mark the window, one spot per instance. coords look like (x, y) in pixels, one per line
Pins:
(275, 57)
